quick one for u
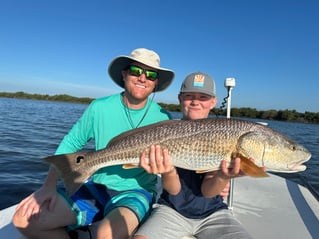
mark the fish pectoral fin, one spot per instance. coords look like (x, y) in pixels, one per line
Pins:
(130, 166)
(251, 169)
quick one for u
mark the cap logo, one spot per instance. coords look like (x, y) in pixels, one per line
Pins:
(199, 80)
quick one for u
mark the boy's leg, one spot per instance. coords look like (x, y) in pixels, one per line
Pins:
(221, 224)
(164, 223)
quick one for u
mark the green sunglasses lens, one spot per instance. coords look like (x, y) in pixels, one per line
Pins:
(137, 71)
(151, 75)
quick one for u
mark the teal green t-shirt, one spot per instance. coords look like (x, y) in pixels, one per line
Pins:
(104, 119)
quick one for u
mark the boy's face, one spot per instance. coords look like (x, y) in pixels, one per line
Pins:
(196, 105)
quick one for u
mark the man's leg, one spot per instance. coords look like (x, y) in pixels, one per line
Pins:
(47, 224)
(119, 223)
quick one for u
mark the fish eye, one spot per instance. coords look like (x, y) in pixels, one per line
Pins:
(293, 148)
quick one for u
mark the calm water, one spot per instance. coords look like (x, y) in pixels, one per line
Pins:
(30, 130)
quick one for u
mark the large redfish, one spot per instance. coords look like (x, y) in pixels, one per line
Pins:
(198, 145)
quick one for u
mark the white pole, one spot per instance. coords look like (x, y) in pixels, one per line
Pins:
(230, 84)
(229, 103)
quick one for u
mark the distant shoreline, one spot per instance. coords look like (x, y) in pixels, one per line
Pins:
(281, 115)
(60, 97)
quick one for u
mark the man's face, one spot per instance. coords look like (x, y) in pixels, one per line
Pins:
(138, 87)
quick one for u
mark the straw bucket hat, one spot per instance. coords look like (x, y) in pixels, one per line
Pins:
(146, 57)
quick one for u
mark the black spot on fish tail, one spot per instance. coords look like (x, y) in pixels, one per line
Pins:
(72, 169)
(79, 159)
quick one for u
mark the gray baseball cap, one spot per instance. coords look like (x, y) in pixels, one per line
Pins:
(199, 82)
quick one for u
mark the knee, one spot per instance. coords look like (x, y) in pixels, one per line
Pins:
(19, 221)
(22, 223)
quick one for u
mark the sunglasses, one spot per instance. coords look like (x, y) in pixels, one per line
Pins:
(138, 71)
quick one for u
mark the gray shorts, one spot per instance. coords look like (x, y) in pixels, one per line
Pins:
(165, 222)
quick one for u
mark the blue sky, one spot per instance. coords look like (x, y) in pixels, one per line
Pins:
(271, 47)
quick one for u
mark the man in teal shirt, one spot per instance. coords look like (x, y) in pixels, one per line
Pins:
(118, 198)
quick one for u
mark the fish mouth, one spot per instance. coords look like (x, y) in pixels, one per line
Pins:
(298, 167)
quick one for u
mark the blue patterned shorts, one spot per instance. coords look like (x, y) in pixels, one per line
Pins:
(93, 201)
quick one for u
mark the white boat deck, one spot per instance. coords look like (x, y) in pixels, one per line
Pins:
(276, 208)
(269, 208)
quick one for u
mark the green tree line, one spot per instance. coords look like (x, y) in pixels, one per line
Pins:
(62, 97)
(281, 115)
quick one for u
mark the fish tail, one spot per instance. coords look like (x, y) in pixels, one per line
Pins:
(251, 169)
(71, 169)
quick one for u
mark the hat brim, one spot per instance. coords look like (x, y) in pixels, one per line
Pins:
(165, 76)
